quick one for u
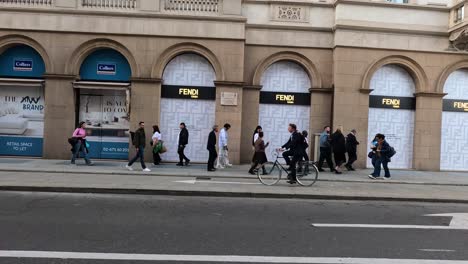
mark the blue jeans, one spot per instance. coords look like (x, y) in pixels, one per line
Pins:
(377, 168)
(139, 155)
(79, 149)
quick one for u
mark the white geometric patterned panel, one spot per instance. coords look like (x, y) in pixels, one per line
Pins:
(198, 115)
(454, 149)
(285, 76)
(392, 80)
(275, 119)
(189, 69)
(398, 128)
(454, 142)
(456, 85)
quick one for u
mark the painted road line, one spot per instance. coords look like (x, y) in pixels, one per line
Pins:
(214, 258)
(459, 222)
(436, 250)
(218, 182)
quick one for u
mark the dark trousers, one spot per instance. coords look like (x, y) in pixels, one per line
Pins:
(156, 158)
(352, 157)
(379, 162)
(287, 155)
(305, 155)
(212, 158)
(325, 154)
(139, 155)
(182, 156)
(292, 165)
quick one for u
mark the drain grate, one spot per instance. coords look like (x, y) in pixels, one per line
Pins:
(204, 178)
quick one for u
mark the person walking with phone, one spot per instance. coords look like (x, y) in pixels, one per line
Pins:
(79, 147)
(260, 157)
(382, 152)
(223, 157)
(183, 141)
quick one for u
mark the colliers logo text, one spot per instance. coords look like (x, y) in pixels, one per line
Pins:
(285, 98)
(395, 103)
(192, 92)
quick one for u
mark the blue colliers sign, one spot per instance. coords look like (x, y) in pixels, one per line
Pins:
(23, 65)
(106, 68)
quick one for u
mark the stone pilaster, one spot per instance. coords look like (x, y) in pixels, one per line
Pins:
(427, 131)
(59, 117)
(231, 114)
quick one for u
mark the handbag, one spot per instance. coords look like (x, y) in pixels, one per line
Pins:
(163, 150)
(370, 154)
(157, 148)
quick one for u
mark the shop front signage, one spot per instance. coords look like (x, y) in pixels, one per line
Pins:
(188, 92)
(284, 98)
(392, 102)
(106, 68)
(451, 105)
(23, 65)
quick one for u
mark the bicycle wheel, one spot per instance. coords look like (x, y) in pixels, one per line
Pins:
(273, 174)
(308, 175)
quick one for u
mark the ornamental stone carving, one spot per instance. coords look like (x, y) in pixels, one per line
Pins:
(289, 13)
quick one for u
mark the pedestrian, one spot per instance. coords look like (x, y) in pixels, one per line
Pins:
(295, 148)
(305, 134)
(183, 141)
(325, 149)
(211, 147)
(382, 159)
(372, 154)
(351, 148)
(223, 158)
(257, 130)
(139, 142)
(79, 146)
(260, 157)
(157, 145)
(338, 143)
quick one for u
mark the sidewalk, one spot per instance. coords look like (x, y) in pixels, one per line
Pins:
(112, 177)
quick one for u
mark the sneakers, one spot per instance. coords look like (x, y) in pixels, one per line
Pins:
(386, 178)
(229, 165)
(128, 167)
(146, 170)
(372, 177)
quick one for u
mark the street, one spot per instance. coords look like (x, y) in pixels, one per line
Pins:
(159, 229)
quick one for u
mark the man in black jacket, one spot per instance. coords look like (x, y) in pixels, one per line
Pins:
(211, 147)
(183, 141)
(139, 141)
(295, 148)
(351, 148)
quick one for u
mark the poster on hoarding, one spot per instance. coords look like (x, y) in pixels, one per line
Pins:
(107, 122)
(21, 121)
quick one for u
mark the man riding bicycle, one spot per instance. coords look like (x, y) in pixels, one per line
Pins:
(295, 149)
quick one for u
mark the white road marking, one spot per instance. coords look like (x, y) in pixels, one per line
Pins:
(436, 250)
(215, 258)
(218, 182)
(459, 222)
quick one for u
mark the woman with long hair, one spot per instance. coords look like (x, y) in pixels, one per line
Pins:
(338, 143)
(79, 147)
(156, 145)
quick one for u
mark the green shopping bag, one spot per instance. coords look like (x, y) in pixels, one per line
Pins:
(157, 148)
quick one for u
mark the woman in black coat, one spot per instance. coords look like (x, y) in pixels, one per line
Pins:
(338, 143)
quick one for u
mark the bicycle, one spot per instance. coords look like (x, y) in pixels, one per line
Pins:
(306, 172)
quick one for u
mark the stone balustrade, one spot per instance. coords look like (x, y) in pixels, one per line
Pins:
(26, 2)
(109, 4)
(196, 6)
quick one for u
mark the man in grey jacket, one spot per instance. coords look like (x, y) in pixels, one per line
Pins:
(325, 149)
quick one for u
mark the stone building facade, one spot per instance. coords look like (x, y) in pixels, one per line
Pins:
(400, 68)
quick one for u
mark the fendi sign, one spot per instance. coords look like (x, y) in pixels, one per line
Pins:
(451, 105)
(285, 98)
(188, 92)
(392, 102)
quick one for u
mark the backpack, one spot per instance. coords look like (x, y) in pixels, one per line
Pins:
(391, 152)
(132, 136)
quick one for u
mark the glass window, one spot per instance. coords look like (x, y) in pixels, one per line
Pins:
(459, 14)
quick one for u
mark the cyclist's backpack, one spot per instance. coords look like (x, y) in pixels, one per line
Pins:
(391, 152)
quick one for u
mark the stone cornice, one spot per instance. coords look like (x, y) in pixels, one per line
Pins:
(321, 90)
(366, 91)
(146, 80)
(228, 83)
(253, 87)
(429, 94)
(386, 4)
(286, 2)
(139, 14)
(289, 27)
(60, 76)
(391, 30)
